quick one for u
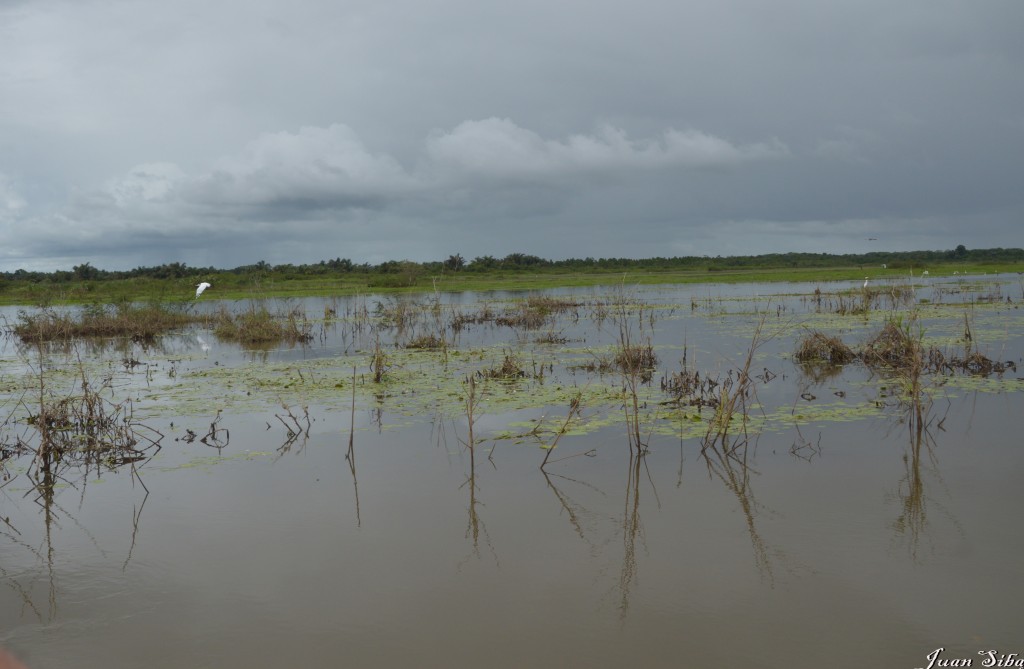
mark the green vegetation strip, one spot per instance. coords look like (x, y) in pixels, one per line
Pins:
(516, 271)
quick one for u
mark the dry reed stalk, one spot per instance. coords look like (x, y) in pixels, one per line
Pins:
(79, 429)
(352, 416)
(734, 394)
(379, 363)
(470, 410)
(630, 367)
(574, 410)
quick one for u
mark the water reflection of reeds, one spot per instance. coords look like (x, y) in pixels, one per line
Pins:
(49, 478)
(729, 462)
(913, 524)
(632, 530)
(476, 529)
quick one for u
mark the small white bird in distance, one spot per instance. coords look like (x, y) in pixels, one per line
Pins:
(865, 282)
(200, 288)
(924, 273)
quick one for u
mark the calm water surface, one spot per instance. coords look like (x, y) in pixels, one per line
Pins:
(847, 539)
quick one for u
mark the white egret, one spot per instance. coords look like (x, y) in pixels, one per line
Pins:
(865, 282)
(202, 344)
(200, 288)
(924, 273)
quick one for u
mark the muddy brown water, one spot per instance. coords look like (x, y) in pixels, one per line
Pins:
(847, 538)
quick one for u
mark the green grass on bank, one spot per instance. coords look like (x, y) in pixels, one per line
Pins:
(282, 284)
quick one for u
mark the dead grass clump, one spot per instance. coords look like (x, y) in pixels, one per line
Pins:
(47, 325)
(902, 294)
(80, 428)
(139, 322)
(893, 346)
(819, 347)
(380, 363)
(86, 428)
(681, 384)
(974, 363)
(599, 364)
(461, 319)
(552, 305)
(426, 342)
(898, 348)
(551, 337)
(523, 316)
(689, 388)
(858, 303)
(535, 311)
(510, 368)
(257, 325)
(971, 361)
(637, 357)
(980, 365)
(398, 312)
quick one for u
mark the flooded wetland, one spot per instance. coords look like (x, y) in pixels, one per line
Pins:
(766, 475)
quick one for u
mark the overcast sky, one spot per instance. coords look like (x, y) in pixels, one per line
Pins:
(224, 132)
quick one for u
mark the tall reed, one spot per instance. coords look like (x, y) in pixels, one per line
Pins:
(734, 395)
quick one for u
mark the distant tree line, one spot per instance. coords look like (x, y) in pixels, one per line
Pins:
(523, 261)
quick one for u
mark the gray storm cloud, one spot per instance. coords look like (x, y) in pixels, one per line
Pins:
(10, 200)
(228, 132)
(318, 176)
(330, 168)
(326, 167)
(500, 148)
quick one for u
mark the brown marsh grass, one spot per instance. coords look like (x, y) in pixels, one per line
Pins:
(460, 319)
(380, 362)
(817, 347)
(536, 311)
(596, 364)
(640, 358)
(688, 388)
(522, 316)
(399, 312)
(970, 361)
(635, 359)
(896, 345)
(733, 397)
(898, 350)
(76, 427)
(143, 322)
(510, 368)
(426, 342)
(257, 325)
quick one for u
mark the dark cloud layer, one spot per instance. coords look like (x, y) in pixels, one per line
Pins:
(225, 133)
